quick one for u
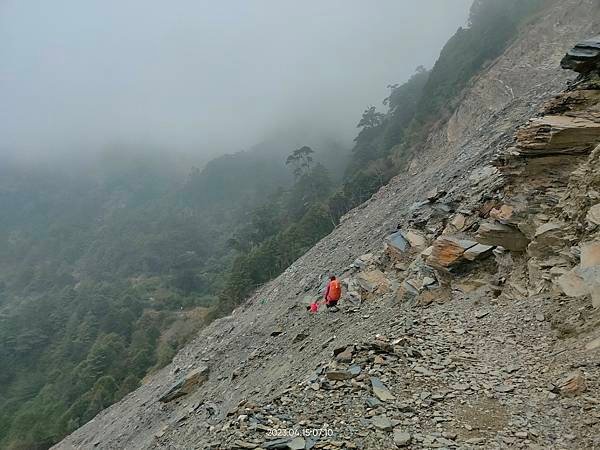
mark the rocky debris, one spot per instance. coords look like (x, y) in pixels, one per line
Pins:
(190, 383)
(497, 234)
(584, 57)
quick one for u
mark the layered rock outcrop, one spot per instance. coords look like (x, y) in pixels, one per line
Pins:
(584, 57)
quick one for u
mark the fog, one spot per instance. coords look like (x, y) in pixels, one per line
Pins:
(203, 77)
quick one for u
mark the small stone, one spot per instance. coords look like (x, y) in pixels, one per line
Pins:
(382, 423)
(423, 371)
(380, 391)
(345, 356)
(300, 337)
(297, 444)
(478, 251)
(244, 444)
(277, 331)
(573, 384)
(338, 375)
(354, 370)
(428, 281)
(593, 345)
(540, 317)
(504, 388)
(402, 439)
(593, 214)
(372, 402)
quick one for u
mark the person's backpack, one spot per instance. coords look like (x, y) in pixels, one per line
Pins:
(335, 290)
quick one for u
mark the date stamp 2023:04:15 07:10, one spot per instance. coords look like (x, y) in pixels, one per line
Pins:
(300, 432)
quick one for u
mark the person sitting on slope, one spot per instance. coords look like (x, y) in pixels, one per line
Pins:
(333, 293)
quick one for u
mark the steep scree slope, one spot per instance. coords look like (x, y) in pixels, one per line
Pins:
(470, 355)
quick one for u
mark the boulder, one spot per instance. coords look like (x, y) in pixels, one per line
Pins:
(590, 270)
(497, 234)
(503, 213)
(572, 285)
(584, 57)
(572, 384)
(186, 385)
(593, 215)
(548, 240)
(397, 242)
(400, 243)
(345, 356)
(373, 281)
(416, 239)
(448, 251)
(478, 252)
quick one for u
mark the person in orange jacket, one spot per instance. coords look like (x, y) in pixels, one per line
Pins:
(333, 293)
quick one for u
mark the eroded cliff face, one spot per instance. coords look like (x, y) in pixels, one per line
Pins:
(468, 318)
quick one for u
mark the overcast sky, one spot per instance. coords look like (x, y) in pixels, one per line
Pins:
(203, 76)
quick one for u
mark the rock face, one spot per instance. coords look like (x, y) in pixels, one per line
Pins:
(479, 356)
(584, 57)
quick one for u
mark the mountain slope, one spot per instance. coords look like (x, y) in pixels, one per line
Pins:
(248, 358)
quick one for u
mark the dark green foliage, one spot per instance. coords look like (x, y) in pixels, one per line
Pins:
(492, 26)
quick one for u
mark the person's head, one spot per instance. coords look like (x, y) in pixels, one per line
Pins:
(332, 277)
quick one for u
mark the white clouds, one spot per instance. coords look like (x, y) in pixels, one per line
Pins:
(202, 75)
